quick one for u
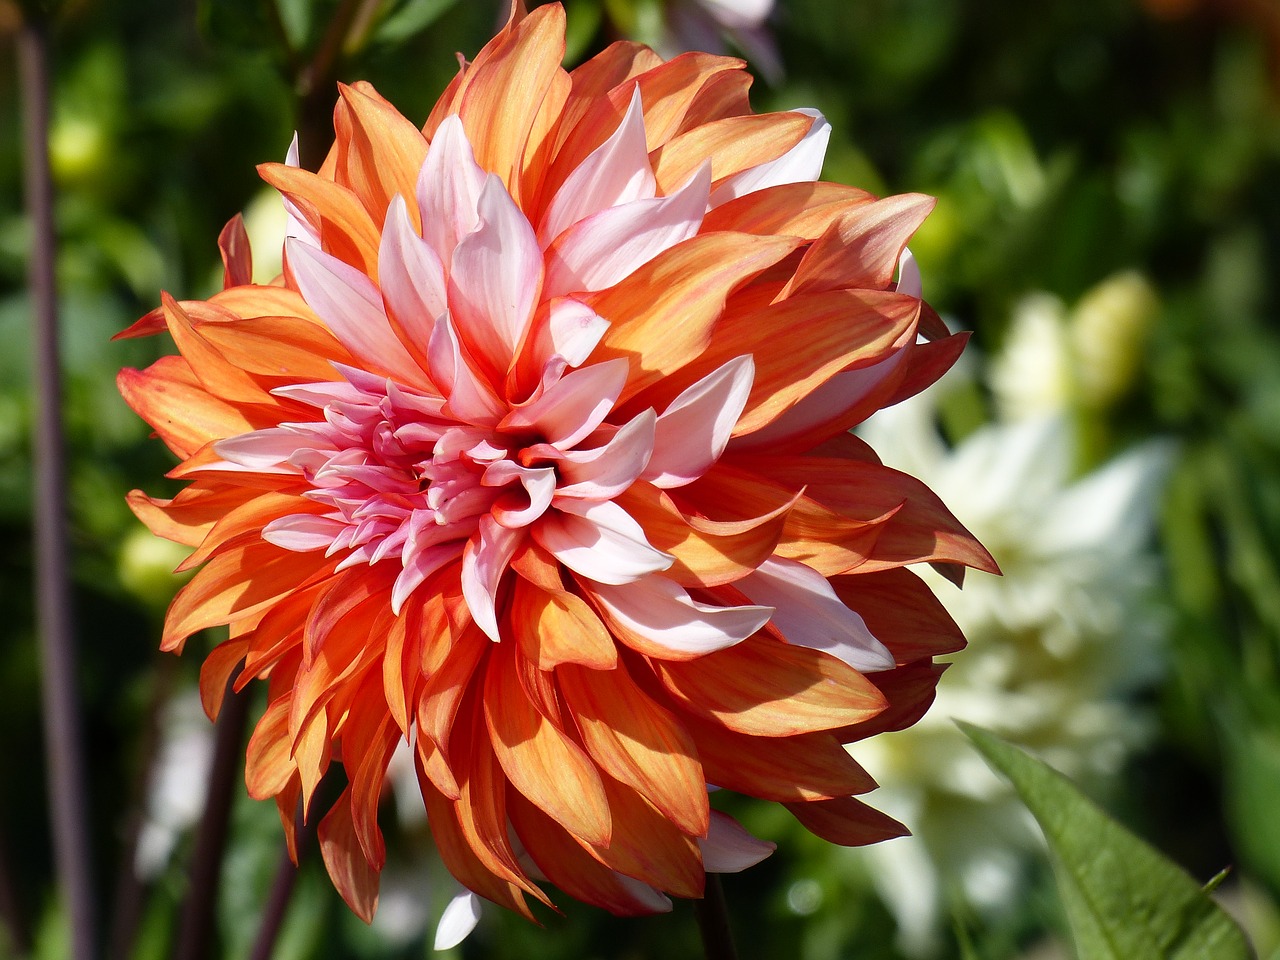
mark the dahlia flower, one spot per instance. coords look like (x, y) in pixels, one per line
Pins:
(536, 459)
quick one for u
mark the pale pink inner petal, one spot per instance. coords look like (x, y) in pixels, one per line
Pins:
(729, 848)
(469, 397)
(571, 331)
(411, 278)
(693, 430)
(263, 451)
(597, 252)
(297, 226)
(495, 278)
(519, 508)
(351, 307)
(421, 565)
(616, 172)
(600, 541)
(569, 410)
(449, 186)
(484, 561)
(661, 611)
(801, 164)
(605, 472)
(302, 532)
(810, 614)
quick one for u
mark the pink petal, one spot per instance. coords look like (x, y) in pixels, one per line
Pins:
(597, 252)
(603, 473)
(801, 164)
(495, 277)
(302, 532)
(575, 330)
(468, 397)
(693, 430)
(422, 564)
(484, 560)
(262, 451)
(616, 172)
(810, 614)
(351, 307)
(449, 186)
(297, 227)
(511, 509)
(600, 541)
(411, 278)
(729, 848)
(660, 610)
(569, 410)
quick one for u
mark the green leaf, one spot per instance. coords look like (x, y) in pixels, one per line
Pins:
(410, 18)
(1124, 900)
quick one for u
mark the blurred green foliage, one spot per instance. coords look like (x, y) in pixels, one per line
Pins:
(1066, 141)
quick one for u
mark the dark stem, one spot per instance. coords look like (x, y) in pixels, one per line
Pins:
(68, 795)
(314, 87)
(712, 912)
(10, 913)
(195, 937)
(282, 890)
(126, 910)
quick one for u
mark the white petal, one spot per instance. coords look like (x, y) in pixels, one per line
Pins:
(469, 397)
(616, 172)
(600, 541)
(801, 164)
(573, 329)
(351, 307)
(809, 614)
(729, 848)
(265, 451)
(693, 430)
(298, 227)
(661, 610)
(606, 247)
(909, 280)
(458, 920)
(495, 277)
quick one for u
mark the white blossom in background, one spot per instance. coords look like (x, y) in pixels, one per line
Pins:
(179, 780)
(1055, 648)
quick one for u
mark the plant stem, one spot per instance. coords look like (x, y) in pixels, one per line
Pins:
(195, 937)
(712, 912)
(282, 890)
(68, 795)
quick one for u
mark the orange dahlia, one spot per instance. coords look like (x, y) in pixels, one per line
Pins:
(537, 459)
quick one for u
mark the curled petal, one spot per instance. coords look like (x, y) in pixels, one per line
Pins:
(694, 428)
(599, 541)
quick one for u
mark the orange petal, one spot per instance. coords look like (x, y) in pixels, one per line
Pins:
(216, 670)
(566, 864)
(732, 145)
(269, 765)
(542, 762)
(346, 229)
(555, 627)
(862, 248)
(237, 259)
(285, 348)
(707, 553)
(248, 517)
(722, 95)
(901, 612)
(648, 847)
(237, 583)
(796, 209)
(768, 688)
(638, 742)
(664, 313)
(504, 90)
(443, 689)
(351, 874)
(169, 397)
(459, 857)
(921, 528)
(369, 737)
(910, 691)
(383, 154)
(811, 766)
(846, 821)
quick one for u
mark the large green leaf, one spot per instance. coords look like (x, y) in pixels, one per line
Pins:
(1123, 899)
